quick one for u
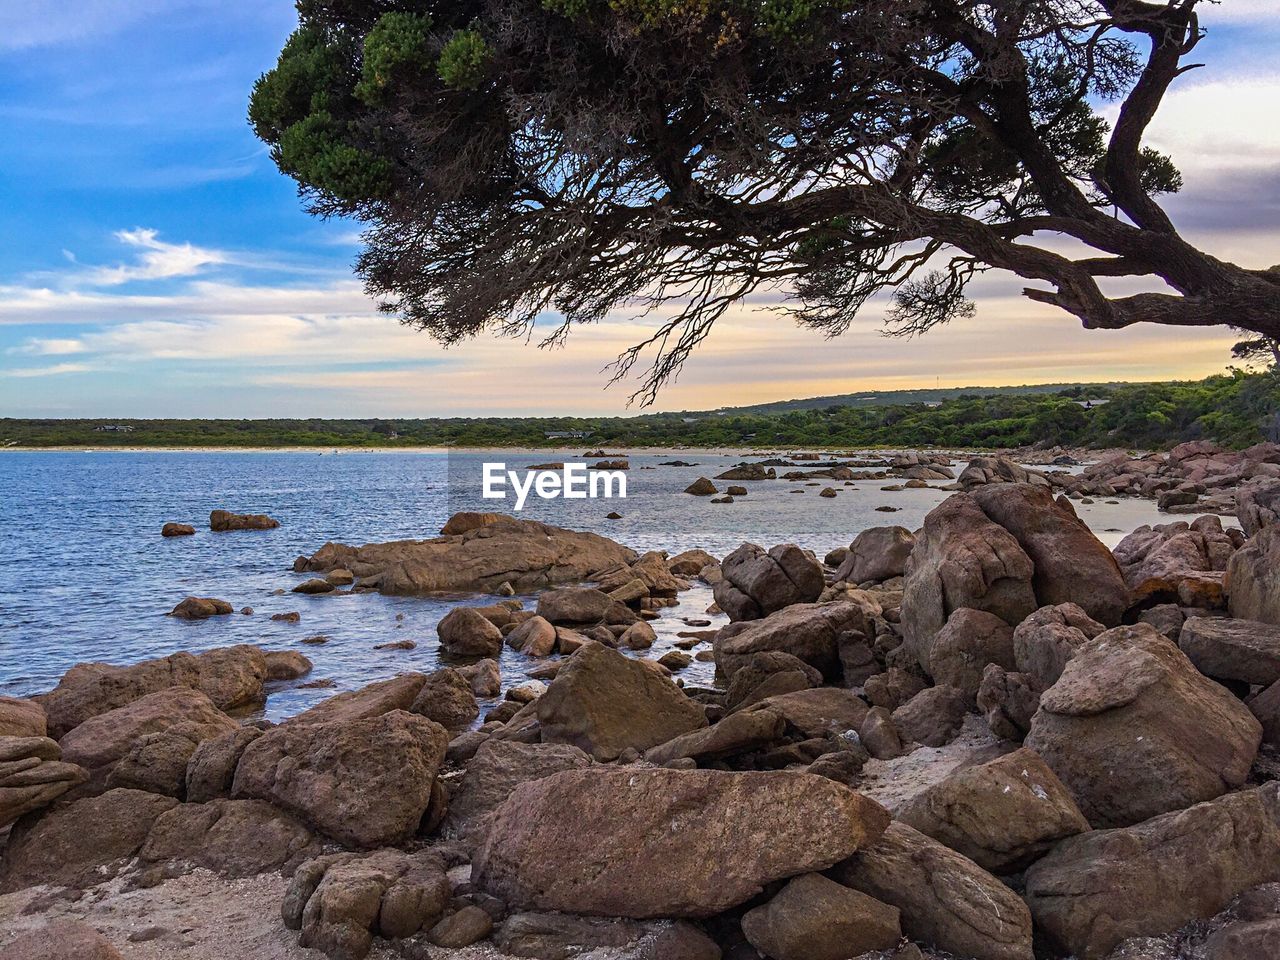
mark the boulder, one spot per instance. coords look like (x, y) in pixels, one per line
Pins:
(373, 700)
(447, 699)
(461, 928)
(748, 471)
(565, 936)
(1003, 814)
(22, 718)
(498, 767)
(82, 843)
(816, 712)
(233, 838)
(467, 633)
(757, 583)
(287, 665)
(1258, 504)
(33, 775)
(736, 733)
(1177, 562)
(946, 900)
(523, 553)
(967, 643)
(932, 717)
(1245, 941)
(201, 608)
(211, 768)
(363, 782)
(962, 559)
(1048, 638)
(172, 529)
(702, 487)
(61, 940)
(231, 677)
(157, 762)
(536, 637)
(878, 553)
(484, 676)
(1253, 578)
(1265, 705)
(1099, 888)
(813, 918)
(341, 901)
(314, 586)
(809, 631)
(1134, 730)
(702, 840)
(102, 741)
(604, 703)
(221, 521)
(1009, 701)
(879, 735)
(1225, 649)
(747, 680)
(892, 688)
(574, 605)
(690, 563)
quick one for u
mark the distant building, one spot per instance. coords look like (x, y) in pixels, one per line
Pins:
(568, 434)
(113, 428)
(1090, 404)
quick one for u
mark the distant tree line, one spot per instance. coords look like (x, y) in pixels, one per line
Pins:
(1237, 408)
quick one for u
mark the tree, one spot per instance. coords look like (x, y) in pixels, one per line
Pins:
(1263, 350)
(519, 158)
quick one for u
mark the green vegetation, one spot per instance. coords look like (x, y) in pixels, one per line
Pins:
(1236, 409)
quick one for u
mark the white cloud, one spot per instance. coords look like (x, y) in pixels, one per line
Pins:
(56, 370)
(157, 261)
(50, 347)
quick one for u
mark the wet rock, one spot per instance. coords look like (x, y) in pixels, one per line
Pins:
(1003, 814)
(172, 529)
(702, 840)
(222, 520)
(638, 636)
(33, 775)
(447, 699)
(757, 583)
(564, 936)
(22, 718)
(604, 702)
(82, 843)
(212, 765)
(1134, 730)
(1101, 887)
(675, 660)
(497, 768)
(479, 557)
(233, 838)
(932, 717)
(466, 633)
(1048, 638)
(201, 608)
(809, 631)
(748, 471)
(1253, 578)
(287, 665)
(339, 902)
(364, 782)
(967, 643)
(62, 940)
(946, 900)
(314, 586)
(1227, 649)
(813, 918)
(878, 553)
(536, 637)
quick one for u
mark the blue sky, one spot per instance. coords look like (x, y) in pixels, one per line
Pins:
(154, 263)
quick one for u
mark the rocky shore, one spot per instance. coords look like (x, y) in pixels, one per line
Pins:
(991, 737)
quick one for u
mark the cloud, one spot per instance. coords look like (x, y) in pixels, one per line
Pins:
(50, 347)
(57, 369)
(157, 261)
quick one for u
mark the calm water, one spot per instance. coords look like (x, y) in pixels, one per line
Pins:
(85, 575)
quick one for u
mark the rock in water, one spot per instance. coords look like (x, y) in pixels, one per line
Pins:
(221, 521)
(946, 900)
(466, 633)
(643, 843)
(172, 529)
(1134, 730)
(364, 782)
(524, 553)
(604, 703)
(757, 583)
(1099, 888)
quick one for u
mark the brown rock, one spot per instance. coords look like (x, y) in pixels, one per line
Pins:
(946, 900)
(314, 586)
(1009, 701)
(691, 563)
(932, 717)
(157, 762)
(1046, 640)
(604, 702)
(757, 583)
(736, 733)
(1101, 887)
(760, 667)
(702, 487)
(813, 918)
(62, 940)
(461, 929)
(21, 718)
(373, 700)
(466, 633)
(363, 782)
(878, 553)
(892, 688)
(1258, 504)
(177, 530)
(1253, 578)
(32, 775)
(703, 840)
(1160, 562)
(1227, 649)
(1245, 941)
(1134, 730)
(447, 699)
(962, 649)
(287, 665)
(809, 631)
(233, 838)
(536, 637)
(222, 520)
(484, 677)
(817, 712)
(879, 735)
(564, 936)
(201, 608)
(211, 768)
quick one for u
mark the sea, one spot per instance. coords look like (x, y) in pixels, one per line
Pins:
(86, 576)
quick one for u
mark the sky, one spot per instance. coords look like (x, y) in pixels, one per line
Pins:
(154, 263)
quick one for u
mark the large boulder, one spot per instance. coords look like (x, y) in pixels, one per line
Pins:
(757, 582)
(339, 902)
(1253, 578)
(962, 559)
(1178, 562)
(642, 843)
(1134, 730)
(33, 775)
(1101, 887)
(22, 718)
(933, 716)
(946, 900)
(211, 768)
(604, 703)
(447, 699)
(524, 553)
(1258, 504)
(1046, 640)
(1226, 649)
(878, 553)
(813, 918)
(810, 631)
(101, 742)
(736, 733)
(498, 767)
(1003, 814)
(365, 782)
(233, 838)
(574, 605)
(158, 761)
(464, 632)
(969, 641)
(231, 677)
(82, 843)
